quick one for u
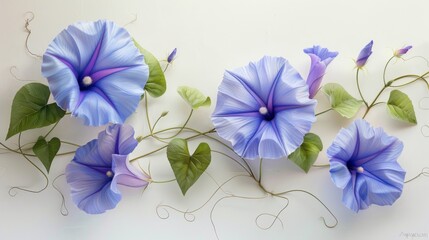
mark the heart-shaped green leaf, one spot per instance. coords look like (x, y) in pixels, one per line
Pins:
(401, 107)
(187, 168)
(307, 153)
(46, 151)
(341, 101)
(30, 109)
(156, 84)
(193, 97)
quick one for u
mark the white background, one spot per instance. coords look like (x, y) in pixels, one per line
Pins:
(212, 36)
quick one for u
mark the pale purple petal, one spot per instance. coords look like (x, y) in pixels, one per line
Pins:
(364, 55)
(116, 139)
(402, 51)
(126, 174)
(99, 166)
(320, 59)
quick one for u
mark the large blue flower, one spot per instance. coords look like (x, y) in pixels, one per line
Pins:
(99, 166)
(263, 109)
(320, 59)
(364, 164)
(96, 72)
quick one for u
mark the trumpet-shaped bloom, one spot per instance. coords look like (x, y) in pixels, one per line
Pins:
(99, 166)
(364, 55)
(96, 72)
(320, 59)
(364, 164)
(263, 109)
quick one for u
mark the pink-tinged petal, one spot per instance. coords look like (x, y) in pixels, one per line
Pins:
(126, 174)
(320, 59)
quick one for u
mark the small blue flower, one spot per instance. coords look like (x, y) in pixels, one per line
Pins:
(364, 55)
(172, 55)
(320, 59)
(96, 72)
(364, 164)
(398, 53)
(263, 109)
(99, 166)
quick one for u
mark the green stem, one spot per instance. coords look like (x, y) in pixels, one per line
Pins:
(166, 67)
(165, 146)
(166, 181)
(389, 84)
(315, 197)
(358, 87)
(70, 143)
(322, 112)
(35, 166)
(321, 165)
(385, 69)
(16, 151)
(47, 134)
(156, 122)
(29, 154)
(181, 129)
(147, 112)
(235, 160)
(373, 102)
(260, 172)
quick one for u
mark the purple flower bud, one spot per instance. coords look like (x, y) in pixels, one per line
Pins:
(364, 55)
(172, 55)
(320, 59)
(399, 52)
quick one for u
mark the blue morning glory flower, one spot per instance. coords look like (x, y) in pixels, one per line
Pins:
(263, 109)
(320, 59)
(96, 72)
(364, 164)
(99, 166)
(398, 53)
(364, 55)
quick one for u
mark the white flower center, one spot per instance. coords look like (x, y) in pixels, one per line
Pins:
(360, 169)
(263, 110)
(87, 80)
(109, 173)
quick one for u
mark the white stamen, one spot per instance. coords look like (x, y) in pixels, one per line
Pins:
(87, 80)
(263, 110)
(360, 169)
(109, 173)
